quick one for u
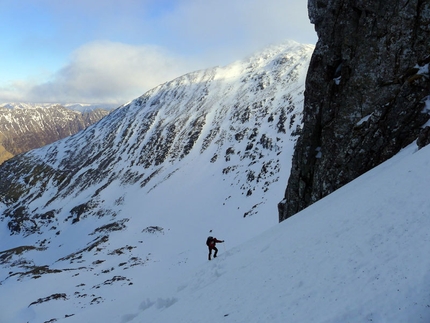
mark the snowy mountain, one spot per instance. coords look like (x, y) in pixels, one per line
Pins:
(128, 202)
(25, 126)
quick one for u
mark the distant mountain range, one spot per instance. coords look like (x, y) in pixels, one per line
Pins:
(81, 107)
(25, 126)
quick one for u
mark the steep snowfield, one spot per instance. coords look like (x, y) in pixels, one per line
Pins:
(358, 255)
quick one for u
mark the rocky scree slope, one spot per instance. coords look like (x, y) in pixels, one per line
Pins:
(28, 126)
(366, 93)
(71, 207)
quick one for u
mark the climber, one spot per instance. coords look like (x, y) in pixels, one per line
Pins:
(211, 242)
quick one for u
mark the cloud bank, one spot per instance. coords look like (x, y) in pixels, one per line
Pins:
(121, 49)
(105, 72)
(112, 71)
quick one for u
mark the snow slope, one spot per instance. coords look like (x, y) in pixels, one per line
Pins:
(358, 255)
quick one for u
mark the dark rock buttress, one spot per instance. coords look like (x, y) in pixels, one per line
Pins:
(366, 92)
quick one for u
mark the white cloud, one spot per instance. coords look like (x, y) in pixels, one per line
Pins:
(16, 91)
(115, 72)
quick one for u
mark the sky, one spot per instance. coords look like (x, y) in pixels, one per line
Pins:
(112, 51)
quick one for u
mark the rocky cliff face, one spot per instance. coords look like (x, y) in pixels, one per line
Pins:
(367, 93)
(23, 128)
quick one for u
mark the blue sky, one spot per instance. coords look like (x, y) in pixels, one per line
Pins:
(112, 51)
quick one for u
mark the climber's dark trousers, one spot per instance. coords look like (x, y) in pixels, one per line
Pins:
(210, 252)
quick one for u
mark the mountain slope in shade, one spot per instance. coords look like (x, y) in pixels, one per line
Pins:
(130, 200)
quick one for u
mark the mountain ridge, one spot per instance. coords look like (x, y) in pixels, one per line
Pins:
(98, 207)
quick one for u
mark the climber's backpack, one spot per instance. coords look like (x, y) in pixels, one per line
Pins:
(209, 240)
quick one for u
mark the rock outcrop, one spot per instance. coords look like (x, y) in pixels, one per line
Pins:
(367, 93)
